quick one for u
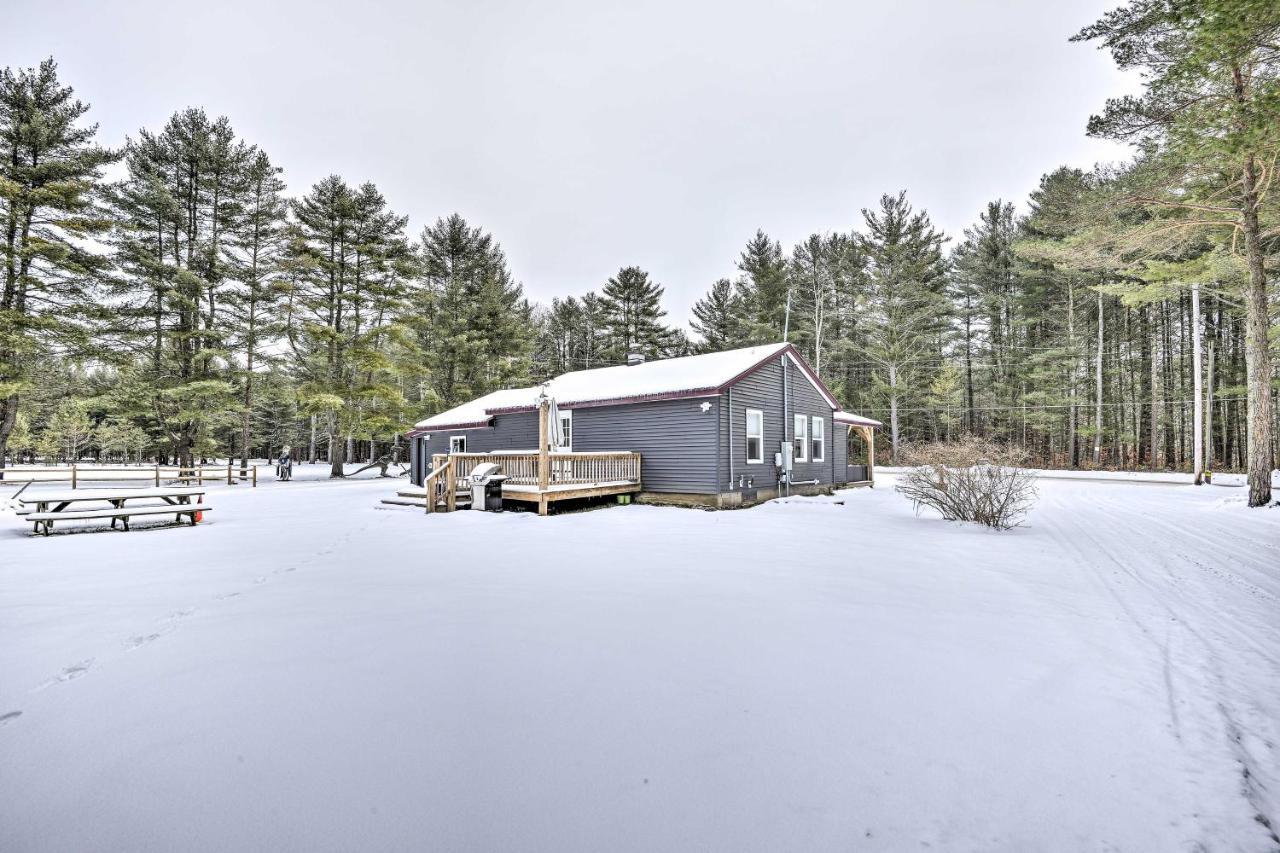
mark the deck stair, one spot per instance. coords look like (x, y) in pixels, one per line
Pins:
(418, 498)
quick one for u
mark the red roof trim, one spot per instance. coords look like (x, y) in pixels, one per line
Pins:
(790, 350)
(416, 431)
(813, 377)
(614, 401)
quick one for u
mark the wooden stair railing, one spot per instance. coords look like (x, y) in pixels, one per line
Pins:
(441, 479)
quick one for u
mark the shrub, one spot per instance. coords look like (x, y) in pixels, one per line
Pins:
(969, 480)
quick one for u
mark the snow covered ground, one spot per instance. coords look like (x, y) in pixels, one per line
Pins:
(307, 671)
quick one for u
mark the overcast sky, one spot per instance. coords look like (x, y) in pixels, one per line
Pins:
(590, 135)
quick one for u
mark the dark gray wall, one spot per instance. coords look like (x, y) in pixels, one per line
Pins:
(675, 438)
(683, 449)
(515, 431)
(764, 390)
(840, 452)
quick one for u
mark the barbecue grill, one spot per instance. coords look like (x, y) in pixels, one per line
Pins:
(486, 487)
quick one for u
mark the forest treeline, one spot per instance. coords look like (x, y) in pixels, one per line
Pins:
(171, 299)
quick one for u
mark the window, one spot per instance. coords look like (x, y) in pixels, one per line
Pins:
(755, 435)
(818, 440)
(457, 444)
(800, 438)
(566, 430)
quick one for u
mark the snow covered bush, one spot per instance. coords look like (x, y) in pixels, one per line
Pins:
(969, 480)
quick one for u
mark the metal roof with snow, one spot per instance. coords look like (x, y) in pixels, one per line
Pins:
(688, 376)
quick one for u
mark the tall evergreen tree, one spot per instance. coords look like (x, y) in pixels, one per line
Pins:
(717, 318)
(763, 288)
(908, 305)
(255, 254)
(986, 289)
(345, 282)
(632, 309)
(50, 174)
(474, 322)
(178, 210)
(1211, 107)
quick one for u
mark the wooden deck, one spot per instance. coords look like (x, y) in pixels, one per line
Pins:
(537, 478)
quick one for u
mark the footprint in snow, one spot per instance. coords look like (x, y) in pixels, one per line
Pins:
(75, 670)
(9, 717)
(141, 640)
(225, 597)
(69, 673)
(260, 580)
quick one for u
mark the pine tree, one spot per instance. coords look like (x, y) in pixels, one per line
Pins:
(255, 255)
(1210, 108)
(632, 309)
(717, 317)
(178, 211)
(908, 306)
(50, 173)
(345, 280)
(473, 322)
(70, 430)
(985, 287)
(763, 288)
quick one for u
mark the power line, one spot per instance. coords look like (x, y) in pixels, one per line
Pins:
(1087, 405)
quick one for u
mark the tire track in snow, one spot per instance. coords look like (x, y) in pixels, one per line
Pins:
(1205, 678)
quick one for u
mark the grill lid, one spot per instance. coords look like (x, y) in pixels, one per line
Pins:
(482, 472)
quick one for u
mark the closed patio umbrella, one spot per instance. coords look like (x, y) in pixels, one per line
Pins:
(555, 433)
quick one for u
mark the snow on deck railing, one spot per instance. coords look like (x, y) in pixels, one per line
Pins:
(566, 468)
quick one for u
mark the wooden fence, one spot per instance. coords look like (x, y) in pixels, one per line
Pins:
(75, 474)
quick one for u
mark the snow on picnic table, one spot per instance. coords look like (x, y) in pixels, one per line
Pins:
(306, 671)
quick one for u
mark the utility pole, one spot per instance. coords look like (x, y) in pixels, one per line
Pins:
(1197, 402)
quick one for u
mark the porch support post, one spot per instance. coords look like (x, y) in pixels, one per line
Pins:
(544, 453)
(869, 436)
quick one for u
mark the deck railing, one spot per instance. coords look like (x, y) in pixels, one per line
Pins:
(564, 468)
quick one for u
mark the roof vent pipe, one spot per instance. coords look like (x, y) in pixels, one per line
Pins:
(634, 358)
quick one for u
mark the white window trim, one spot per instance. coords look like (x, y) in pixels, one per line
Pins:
(818, 433)
(747, 429)
(800, 436)
(454, 439)
(566, 415)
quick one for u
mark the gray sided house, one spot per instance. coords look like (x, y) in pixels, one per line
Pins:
(721, 429)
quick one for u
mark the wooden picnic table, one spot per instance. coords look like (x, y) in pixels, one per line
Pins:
(47, 507)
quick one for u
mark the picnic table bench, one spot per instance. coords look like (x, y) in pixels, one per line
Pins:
(42, 509)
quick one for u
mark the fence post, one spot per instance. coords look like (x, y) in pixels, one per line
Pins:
(228, 472)
(255, 476)
(199, 475)
(157, 475)
(73, 475)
